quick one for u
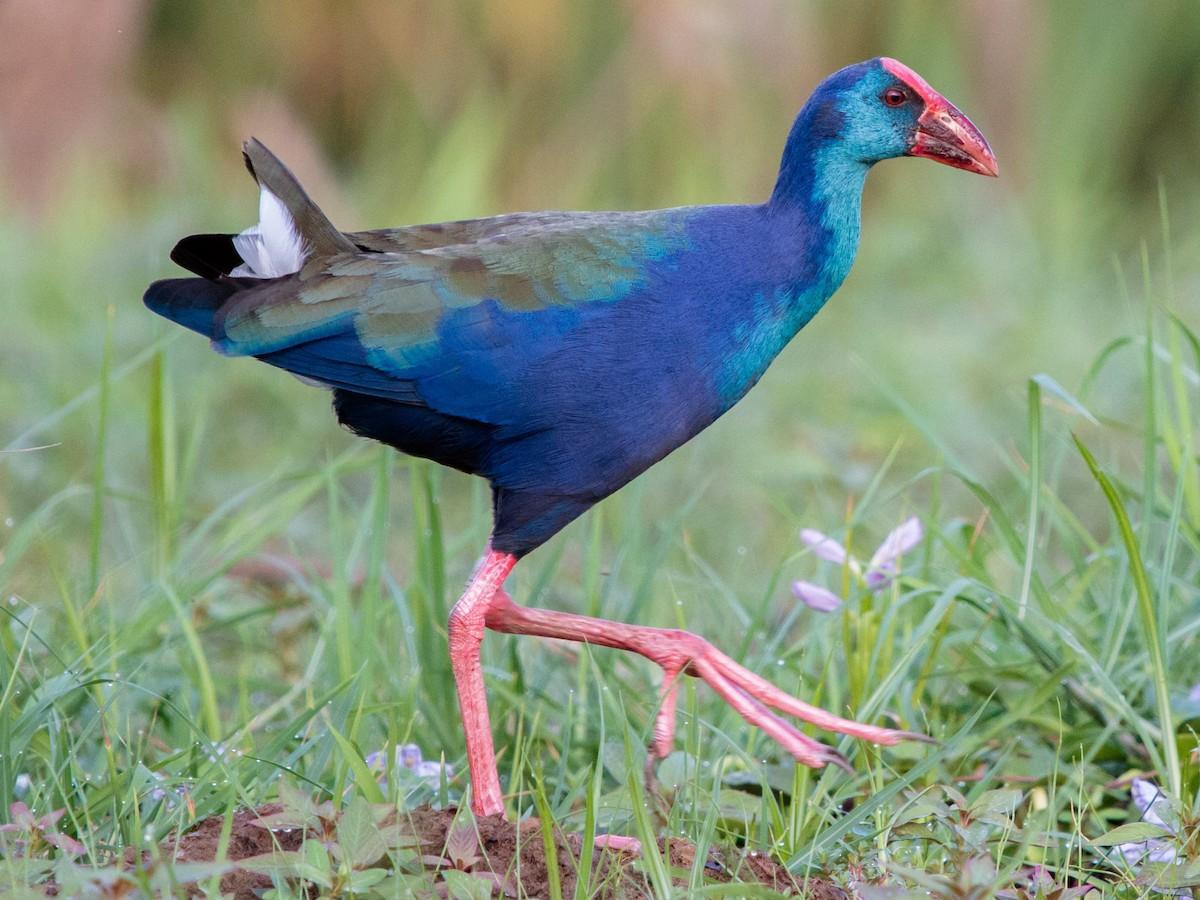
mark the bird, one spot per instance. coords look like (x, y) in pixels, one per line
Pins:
(559, 355)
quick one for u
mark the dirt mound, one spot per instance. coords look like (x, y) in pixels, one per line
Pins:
(514, 853)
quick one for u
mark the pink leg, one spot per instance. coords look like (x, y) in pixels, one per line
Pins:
(484, 604)
(466, 634)
(680, 651)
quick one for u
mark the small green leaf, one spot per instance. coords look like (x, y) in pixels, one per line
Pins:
(397, 837)
(281, 863)
(298, 806)
(979, 871)
(1130, 833)
(465, 886)
(311, 864)
(316, 865)
(400, 884)
(365, 878)
(1002, 801)
(462, 843)
(954, 796)
(358, 836)
(1165, 876)
(923, 806)
(738, 806)
(165, 879)
(917, 830)
(677, 768)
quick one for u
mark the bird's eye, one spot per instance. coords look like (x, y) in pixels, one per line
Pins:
(894, 97)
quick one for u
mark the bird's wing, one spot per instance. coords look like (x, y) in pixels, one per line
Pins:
(465, 231)
(453, 325)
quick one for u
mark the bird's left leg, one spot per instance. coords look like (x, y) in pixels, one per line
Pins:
(682, 652)
(466, 635)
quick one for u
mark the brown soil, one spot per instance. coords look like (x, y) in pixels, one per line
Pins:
(245, 840)
(499, 842)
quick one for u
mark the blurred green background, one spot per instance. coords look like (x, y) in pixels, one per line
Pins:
(162, 464)
(120, 123)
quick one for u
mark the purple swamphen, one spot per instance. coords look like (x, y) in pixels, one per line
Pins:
(561, 354)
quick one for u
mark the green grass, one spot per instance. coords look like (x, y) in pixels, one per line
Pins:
(1044, 632)
(213, 597)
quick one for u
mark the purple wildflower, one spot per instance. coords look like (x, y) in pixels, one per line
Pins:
(1155, 809)
(408, 756)
(876, 574)
(815, 597)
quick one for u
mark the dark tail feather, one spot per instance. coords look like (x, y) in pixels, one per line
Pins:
(192, 302)
(208, 255)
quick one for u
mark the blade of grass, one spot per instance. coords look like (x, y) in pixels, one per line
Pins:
(1035, 491)
(1149, 617)
(591, 800)
(96, 531)
(1149, 406)
(549, 846)
(363, 777)
(1186, 466)
(651, 859)
(210, 712)
(160, 451)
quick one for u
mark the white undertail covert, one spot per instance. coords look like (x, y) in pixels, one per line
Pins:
(272, 248)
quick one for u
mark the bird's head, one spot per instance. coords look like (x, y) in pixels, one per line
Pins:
(880, 109)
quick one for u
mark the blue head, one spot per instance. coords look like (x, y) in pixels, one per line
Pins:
(871, 111)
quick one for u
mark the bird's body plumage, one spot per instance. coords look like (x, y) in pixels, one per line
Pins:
(556, 354)
(561, 354)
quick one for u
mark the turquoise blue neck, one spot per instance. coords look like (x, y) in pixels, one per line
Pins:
(814, 212)
(818, 199)
(816, 209)
(830, 217)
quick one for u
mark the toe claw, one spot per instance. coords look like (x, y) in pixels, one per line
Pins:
(914, 736)
(832, 756)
